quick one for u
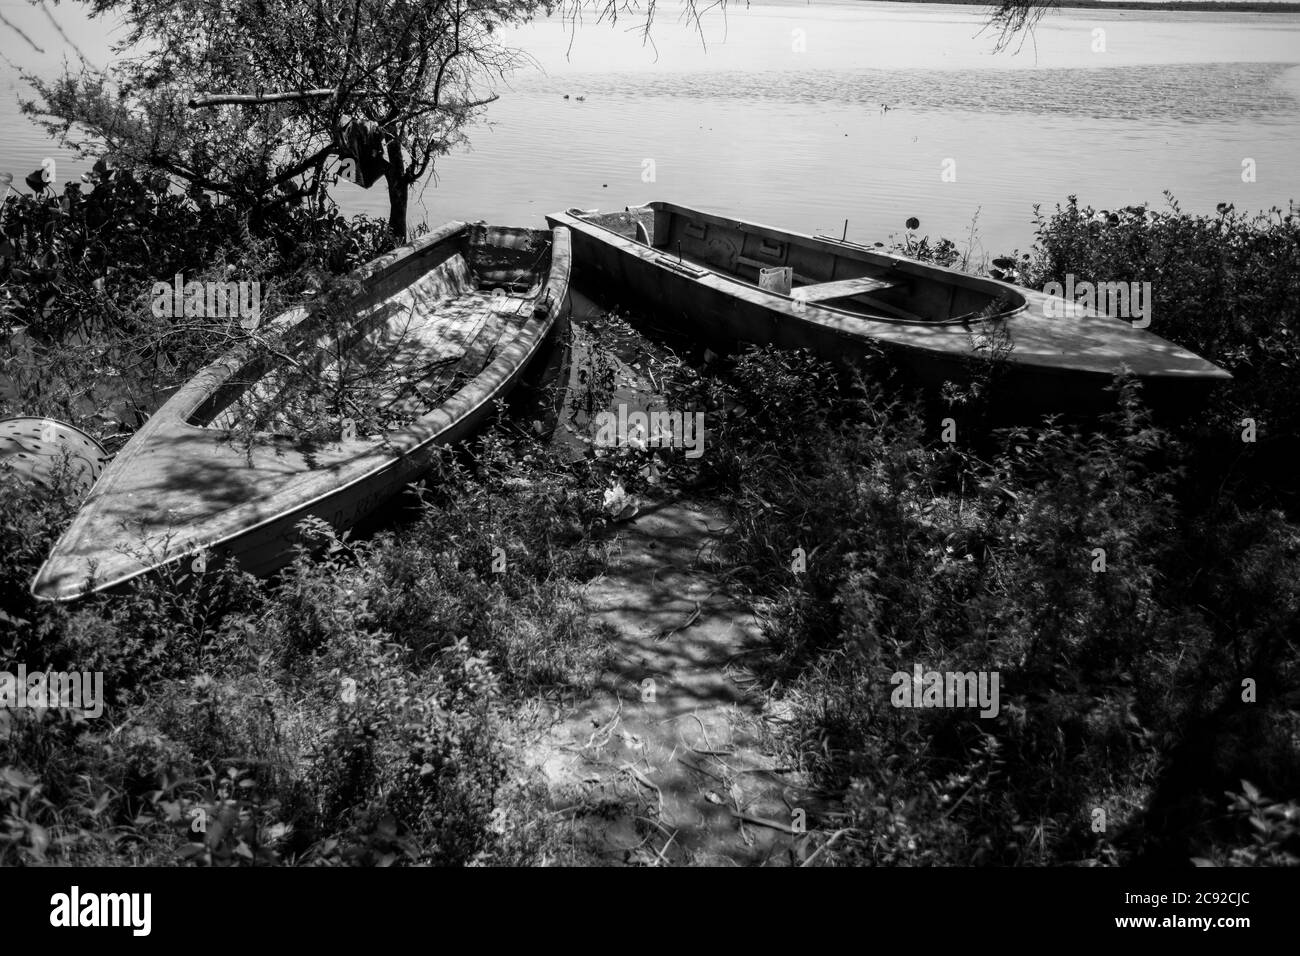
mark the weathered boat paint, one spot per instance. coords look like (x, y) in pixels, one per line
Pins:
(697, 270)
(179, 490)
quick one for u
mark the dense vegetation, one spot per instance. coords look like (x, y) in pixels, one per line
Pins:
(1124, 689)
(1121, 690)
(77, 271)
(371, 705)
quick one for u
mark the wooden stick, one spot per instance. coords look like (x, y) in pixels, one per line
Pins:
(818, 852)
(230, 99)
(235, 99)
(764, 822)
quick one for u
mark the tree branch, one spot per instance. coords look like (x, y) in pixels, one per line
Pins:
(231, 99)
(424, 106)
(235, 99)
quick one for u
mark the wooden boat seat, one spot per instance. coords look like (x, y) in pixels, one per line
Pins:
(684, 266)
(840, 289)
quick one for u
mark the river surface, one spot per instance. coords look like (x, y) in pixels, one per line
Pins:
(778, 114)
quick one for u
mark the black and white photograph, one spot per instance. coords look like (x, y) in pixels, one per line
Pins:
(585, 434)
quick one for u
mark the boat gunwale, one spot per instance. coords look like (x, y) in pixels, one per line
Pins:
(885, 260)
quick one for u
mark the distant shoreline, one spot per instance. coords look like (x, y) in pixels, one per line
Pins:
(1200, 6)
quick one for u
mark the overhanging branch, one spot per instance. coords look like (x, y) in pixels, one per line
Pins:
(235, 99)
(426, 106)
(232, 99)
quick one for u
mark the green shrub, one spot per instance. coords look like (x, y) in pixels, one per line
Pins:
(982, 556)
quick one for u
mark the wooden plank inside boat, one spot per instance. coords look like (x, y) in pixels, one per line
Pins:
(840, 289)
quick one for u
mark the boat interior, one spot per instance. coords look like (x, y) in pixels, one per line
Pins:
(821, 270)
(418, 330)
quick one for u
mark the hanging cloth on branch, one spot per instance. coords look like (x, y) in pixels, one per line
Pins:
(363, 147)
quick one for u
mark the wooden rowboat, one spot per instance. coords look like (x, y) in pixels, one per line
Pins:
(447, 325)
(844, 299)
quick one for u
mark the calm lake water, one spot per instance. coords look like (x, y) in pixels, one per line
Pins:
(779, 117)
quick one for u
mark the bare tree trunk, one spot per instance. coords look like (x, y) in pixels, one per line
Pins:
(397, 191)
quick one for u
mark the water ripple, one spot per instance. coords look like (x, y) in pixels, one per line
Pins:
(1177, 92)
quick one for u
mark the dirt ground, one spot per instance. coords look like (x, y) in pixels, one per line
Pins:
(675, 728)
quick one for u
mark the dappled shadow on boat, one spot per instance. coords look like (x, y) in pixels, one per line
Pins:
(532, 408)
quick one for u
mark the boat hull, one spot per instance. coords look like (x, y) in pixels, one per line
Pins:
(1062, 365)
(178, 492)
